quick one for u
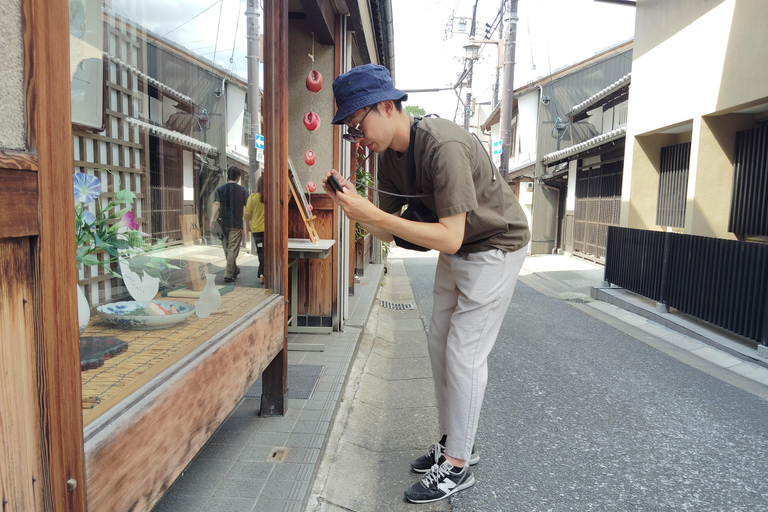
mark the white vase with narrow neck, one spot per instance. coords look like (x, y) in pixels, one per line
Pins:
(210, 298)
(83, 309)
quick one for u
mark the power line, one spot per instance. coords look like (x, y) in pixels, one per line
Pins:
(192, 18)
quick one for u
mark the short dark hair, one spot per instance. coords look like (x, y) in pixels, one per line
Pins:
(398, 105)
(234, 173)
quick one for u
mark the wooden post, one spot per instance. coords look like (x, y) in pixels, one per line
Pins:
(275, 383)
(49, 133)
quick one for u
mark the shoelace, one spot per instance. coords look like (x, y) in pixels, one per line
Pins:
(436, 450)
(435, 475)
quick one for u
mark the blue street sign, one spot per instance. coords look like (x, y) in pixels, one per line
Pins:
(497, 147)
(258, 141)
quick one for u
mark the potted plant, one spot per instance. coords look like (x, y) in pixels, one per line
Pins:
(114, 230)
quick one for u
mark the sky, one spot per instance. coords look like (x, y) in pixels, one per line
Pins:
(551, 34)
(429, 50)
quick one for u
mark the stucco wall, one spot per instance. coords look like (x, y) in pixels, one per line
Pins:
(301, 101)
(695, 63)
(710, 61)
(12, 77)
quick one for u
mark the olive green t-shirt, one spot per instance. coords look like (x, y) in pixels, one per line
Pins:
(459, 176)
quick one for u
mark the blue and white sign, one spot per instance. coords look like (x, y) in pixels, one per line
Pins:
(497, 147)
(258, 141)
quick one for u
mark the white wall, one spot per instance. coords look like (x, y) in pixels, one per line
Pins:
(235, 114)
(524, 150)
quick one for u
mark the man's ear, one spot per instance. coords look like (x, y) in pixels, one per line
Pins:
(388, 108)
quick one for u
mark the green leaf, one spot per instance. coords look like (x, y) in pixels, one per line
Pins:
(125, 196)
(90, 259)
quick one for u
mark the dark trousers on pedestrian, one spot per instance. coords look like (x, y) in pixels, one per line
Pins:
(258, 242)
(231, 241)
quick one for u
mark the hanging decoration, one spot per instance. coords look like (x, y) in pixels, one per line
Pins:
(311, 119)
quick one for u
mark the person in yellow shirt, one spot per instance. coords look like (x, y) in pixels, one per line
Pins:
(254, 214)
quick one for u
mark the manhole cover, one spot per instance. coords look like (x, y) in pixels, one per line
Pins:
(394, 305)
(579, 301)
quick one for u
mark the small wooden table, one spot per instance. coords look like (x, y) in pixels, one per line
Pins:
(299, 248)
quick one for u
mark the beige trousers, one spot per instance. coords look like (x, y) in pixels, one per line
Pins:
(471, 296)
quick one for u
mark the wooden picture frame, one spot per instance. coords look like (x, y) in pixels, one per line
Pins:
(301, 202)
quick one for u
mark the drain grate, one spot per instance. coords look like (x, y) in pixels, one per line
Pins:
(394, 305)
(579, 301)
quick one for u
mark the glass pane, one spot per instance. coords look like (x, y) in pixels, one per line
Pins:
(159, 102)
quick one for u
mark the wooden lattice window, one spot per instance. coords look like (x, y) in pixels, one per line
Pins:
(673, 185)
(749, 198)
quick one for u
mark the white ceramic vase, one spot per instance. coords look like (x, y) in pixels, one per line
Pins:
(83, 309)
(210, 298)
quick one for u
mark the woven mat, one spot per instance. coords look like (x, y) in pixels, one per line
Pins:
(183, 293)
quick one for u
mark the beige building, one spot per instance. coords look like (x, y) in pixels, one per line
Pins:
(699, 97)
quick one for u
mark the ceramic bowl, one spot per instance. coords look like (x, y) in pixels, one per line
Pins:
(130, 314)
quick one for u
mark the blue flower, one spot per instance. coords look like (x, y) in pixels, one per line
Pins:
(87, 187)
(88, 217)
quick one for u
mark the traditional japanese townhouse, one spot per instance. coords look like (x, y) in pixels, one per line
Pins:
(541, 126)
(156, 124)
(589, 173)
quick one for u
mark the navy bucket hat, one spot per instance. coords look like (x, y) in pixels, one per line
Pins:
(362, 86)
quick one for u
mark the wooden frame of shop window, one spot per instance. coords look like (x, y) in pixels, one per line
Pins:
(38, 220)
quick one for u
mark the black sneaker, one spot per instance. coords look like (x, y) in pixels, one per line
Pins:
(440, 483)
(434, 452)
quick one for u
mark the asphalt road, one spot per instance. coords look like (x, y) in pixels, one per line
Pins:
(579, 416)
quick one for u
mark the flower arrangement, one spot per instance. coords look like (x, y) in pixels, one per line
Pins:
(113, 229)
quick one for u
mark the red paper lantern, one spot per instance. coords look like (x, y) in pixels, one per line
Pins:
(309, 157)
(311, 187)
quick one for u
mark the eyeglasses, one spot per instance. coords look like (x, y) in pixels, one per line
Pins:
(355, 134)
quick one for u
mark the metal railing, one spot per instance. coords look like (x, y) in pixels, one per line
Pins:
(724, 282)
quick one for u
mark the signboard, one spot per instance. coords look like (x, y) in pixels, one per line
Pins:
(258, 141)
(260, 155)
(497, 147)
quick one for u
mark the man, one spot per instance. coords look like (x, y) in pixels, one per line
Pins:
(229, 208)
(481, 233)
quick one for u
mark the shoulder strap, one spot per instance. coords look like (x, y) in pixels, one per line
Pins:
(412, 158)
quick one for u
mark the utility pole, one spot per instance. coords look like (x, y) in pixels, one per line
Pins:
(498, 69)
(468, 106)
(510, 34)
(254, 94)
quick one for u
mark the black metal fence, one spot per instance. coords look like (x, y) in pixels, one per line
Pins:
(724, 282)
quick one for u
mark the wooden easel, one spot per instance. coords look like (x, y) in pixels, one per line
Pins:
(301, 202)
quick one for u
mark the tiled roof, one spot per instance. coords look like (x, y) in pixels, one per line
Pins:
(173, 135)
(618, 84)
(588, 144)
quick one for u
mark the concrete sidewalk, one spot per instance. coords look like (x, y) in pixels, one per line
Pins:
(388, 413)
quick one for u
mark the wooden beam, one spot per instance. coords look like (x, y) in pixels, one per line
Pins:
(275, 111)
(321, 19)
(45, 31)
(20, 190)
(359, 28)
